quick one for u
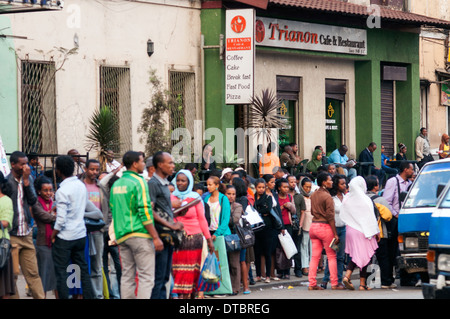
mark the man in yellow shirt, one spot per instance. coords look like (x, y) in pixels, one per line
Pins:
(269, 161)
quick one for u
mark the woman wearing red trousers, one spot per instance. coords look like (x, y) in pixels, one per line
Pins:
(323, 231)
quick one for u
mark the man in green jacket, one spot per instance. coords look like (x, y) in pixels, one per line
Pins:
(134, 229)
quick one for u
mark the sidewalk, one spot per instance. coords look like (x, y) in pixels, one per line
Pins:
(293, 281)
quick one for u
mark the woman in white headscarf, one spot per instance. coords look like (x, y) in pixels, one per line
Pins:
(362, 232)
(186, 259)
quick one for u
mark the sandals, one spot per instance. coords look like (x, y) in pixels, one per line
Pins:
(315, 288)
(362, 287)
(348, 284)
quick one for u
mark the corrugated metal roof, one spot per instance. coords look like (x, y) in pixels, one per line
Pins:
(335, 6)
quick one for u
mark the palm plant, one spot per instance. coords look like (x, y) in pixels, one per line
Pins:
(264, 116)
(103, 133)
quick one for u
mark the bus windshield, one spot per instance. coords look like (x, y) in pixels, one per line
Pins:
(423, 193)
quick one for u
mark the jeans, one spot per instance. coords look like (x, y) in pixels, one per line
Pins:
(321, 236)
(138, 256)
(114, 252)
(63, 251)
(96, 244)
(340, 256)
(305, 249)
(350, 173)
(390, 171)
(163, 269)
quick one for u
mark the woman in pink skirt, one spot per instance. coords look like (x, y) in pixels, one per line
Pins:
(362, 232)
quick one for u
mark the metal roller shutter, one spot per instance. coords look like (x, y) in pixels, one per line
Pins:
(387, 117)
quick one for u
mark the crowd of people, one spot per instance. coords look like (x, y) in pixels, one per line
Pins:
(130, 219)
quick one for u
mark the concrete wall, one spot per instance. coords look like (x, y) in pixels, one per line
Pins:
(114, 34)
(313, 72)
(432, 57)
(9, 125)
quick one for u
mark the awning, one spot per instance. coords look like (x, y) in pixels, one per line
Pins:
(19, 6)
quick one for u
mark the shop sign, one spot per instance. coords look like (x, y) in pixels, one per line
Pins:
(309, 36)
(239, 56)
(445, 94)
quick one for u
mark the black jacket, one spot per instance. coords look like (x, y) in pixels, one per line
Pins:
(29, 199)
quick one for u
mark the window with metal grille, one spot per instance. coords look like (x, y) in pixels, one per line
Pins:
(183, 107)
(38, 107)
(115, 93)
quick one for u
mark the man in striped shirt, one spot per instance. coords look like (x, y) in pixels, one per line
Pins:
(23, 197)
(134, 228)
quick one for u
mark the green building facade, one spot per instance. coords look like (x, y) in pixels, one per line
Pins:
(392, 61)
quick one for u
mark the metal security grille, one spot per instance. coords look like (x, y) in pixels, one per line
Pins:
(387, 117)
(115, 92)
(38, 107)
(183, 107)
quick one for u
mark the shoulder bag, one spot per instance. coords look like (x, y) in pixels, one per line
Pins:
(167, 235)
(277, 222)
(252, 216)
(93, 224)
(245, 232)
(5, 248)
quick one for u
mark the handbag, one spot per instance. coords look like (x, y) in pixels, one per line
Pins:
(245, 232)
(232, 242)
(167, 235)
(281, 261)
(252, 216)
(93, 224)
(295, 221)
(277, 222)
(5, 248)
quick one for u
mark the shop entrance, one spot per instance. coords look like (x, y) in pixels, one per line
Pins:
(287, 133)
(288, 89)
(333, 125)
(336, 91)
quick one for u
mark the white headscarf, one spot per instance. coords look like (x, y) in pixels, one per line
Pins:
(357, 209)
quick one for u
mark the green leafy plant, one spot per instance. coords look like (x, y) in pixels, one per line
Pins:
(264, 115)
(153, 126)
(103, 133)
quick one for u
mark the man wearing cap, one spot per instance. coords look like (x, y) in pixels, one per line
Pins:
(150, 168)
(226, 175)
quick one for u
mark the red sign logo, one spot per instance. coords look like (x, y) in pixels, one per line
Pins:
(260, 31)
(238, 24)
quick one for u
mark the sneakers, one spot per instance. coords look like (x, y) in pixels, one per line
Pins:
(419, 283)
(391, 286)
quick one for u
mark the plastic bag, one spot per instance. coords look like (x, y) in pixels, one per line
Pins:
(209, 279)
(288, 244)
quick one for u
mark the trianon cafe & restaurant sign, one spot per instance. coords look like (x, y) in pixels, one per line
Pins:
(244, 31)
(308, 36)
